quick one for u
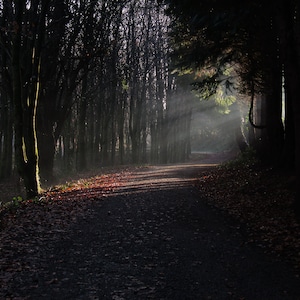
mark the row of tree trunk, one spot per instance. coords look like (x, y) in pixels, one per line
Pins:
(86, 84)
(261, 43)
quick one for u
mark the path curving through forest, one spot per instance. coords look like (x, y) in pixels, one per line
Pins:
(152, 237)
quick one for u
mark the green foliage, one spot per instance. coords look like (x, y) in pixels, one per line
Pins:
(212, 34)
(125, 85)
(218, 84)
(220, 91)
(183, 71)
(206, 88)
(224, 101)
(13, 204)
(17, 200)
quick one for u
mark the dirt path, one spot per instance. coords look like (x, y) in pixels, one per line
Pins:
(152, 238)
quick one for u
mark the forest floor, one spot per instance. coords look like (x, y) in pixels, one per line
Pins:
(261, 199)
(198, 230)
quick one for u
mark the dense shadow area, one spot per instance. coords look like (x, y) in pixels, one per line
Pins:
(152, 237)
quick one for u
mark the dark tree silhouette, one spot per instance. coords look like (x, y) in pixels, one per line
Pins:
(262, 43)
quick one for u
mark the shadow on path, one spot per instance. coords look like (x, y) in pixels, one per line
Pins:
(154, 238)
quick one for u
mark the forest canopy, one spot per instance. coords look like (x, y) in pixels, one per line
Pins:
(94, 83)
(260, 42)
(86, 84)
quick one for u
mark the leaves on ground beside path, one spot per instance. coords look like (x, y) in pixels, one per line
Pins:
(61, 203)
(260, 198)
(86, 189)
(27, 225)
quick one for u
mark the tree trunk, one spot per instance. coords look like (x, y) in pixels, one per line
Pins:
(289, 38)
(46, 144)
(121, 120)
(288, 156)
(6, 151)
(81, 144)
(26, 150)
(274, 125)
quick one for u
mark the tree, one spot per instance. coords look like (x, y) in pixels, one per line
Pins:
(288, 28)
(262, 43)
(67, 60)
(6, 115)
(28, 28)
(91, 86)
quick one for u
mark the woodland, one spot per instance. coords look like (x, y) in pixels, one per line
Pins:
(84, 84)
(96, 83)
(105, 96)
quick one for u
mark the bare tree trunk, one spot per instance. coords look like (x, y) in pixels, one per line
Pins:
(81, 163)
(289, 36)
(26, 92)
(6, 138)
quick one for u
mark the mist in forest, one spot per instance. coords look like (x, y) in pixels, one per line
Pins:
(214, 127)
(123, 103)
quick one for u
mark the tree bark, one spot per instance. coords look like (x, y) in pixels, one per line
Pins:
(46, 145)
(289, 37)
(25, 104)
(81, 144)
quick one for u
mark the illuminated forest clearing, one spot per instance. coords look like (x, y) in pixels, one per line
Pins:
(149, 233)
